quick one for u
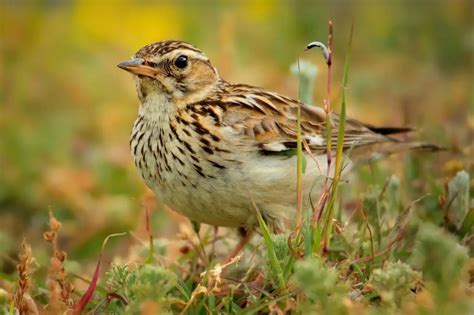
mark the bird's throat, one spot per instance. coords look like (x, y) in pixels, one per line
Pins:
(157, 108)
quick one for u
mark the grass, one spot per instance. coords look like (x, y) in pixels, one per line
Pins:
(391, 250)
(381, 260)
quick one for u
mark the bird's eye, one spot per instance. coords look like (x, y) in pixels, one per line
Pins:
(181, 62)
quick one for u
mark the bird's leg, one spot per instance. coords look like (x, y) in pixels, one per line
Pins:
(245, 237)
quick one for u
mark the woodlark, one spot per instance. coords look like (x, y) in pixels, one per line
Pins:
(211, 150)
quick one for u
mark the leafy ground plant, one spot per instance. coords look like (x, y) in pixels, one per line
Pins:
(375, 254)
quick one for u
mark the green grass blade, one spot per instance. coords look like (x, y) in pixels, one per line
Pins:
(299, 159)
(342, 118)
(275, 264)
(308, 235)
(339, 148)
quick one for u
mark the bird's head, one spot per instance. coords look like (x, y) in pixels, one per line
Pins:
(172, 69)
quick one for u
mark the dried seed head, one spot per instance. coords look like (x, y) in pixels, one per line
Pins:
(49, 236)
(27, 265)
(54, 224)
(61, 255)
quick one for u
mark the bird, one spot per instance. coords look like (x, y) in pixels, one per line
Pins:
(215, 151)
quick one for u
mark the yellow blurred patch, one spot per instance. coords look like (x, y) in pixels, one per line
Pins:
(453, 166)
(260, 10)
(132, 24)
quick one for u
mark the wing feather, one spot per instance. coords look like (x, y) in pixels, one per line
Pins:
(261, 120)
(271, 121)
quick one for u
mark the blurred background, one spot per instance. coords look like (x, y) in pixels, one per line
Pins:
(67, 110)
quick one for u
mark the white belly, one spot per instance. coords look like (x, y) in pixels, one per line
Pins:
(227, 200)
(224, 195)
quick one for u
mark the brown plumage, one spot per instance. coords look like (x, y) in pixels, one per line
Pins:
(209, 148)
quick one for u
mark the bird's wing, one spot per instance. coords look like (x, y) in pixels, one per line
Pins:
(270, 120)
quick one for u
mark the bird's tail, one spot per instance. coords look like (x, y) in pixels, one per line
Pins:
(375, 151)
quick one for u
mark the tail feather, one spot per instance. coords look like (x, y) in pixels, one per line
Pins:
(375, 151)
(389, 130)
(425, 147)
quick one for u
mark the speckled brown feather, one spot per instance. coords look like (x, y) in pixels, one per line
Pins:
(269, 118)
(208, 147)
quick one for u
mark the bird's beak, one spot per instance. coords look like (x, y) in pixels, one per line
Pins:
(138, 67)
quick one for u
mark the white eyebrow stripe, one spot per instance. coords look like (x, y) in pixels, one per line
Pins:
(190, 53)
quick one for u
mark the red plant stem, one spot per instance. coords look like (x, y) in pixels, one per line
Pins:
(299, 181)
(327, 108)
(79, 307)
(327, 103)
